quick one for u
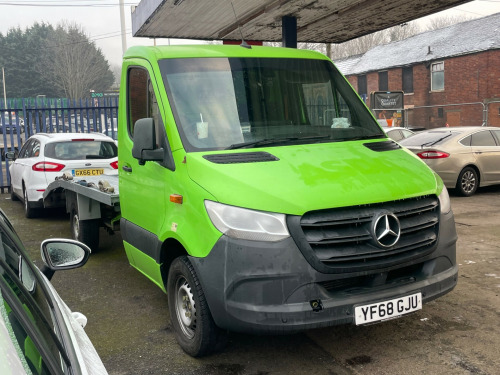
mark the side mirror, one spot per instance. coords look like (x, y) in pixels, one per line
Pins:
(62, 254)
(145, 147)
(11, 155)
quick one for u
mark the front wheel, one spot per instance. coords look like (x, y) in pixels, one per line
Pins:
(86, 231)
(468, 181)
(194, 328)
(13, 196)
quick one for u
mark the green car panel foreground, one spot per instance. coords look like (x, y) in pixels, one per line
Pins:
(259, 192)
(39, 334)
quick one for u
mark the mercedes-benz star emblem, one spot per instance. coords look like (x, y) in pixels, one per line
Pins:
(386, 229)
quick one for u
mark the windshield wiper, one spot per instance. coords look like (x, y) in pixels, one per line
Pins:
(270, 141)
(432, 143)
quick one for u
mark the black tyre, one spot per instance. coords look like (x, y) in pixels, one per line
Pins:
(194, 328)
(13, 195)
(29, 211)
(86, 231)
(468, 182)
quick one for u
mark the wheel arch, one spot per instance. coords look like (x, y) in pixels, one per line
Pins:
(170, 250)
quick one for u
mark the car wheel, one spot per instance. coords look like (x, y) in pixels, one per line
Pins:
(194, 328)
(29, 211)
(13, 196)
(86, 231)
(468, 182)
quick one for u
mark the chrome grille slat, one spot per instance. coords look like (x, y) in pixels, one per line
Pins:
(341, 239)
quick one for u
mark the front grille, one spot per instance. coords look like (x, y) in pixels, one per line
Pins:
(340, 239)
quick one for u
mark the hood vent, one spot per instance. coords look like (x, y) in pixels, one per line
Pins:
(241, 157)
(382, 146)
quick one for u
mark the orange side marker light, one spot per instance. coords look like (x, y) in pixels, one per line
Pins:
(176, 198)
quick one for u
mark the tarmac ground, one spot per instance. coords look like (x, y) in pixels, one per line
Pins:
(129, 324)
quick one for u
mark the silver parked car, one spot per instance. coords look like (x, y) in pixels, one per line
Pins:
(464, 157)
(39, 334)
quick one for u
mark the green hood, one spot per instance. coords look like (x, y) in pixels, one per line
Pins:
(311, 177)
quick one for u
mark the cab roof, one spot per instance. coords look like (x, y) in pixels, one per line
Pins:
(206, 50)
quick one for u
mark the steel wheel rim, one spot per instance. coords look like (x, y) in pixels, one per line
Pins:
(468, 181)
(76, 226)
(185, 308)
(26, 201)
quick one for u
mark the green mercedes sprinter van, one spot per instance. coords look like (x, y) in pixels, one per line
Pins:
(259, 192)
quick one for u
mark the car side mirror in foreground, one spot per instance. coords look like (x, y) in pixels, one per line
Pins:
(62, 254)
(11, 155)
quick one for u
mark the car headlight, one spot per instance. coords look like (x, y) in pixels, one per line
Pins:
(444, 201)
(245, 224)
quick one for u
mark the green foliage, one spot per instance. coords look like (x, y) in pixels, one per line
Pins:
(53, 61)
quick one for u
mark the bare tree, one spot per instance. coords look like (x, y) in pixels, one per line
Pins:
(403, 31)
(362, 44)
(359, 45)
(74, 64)
(444, 21)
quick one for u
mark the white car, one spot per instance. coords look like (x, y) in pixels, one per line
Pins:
(46, 156)
(39, 334)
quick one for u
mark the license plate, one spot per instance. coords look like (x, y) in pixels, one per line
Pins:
(391, 309)
(87, 172)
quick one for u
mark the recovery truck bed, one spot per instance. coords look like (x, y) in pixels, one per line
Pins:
(88, 206)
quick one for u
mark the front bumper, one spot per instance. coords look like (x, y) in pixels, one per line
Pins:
(270, 288)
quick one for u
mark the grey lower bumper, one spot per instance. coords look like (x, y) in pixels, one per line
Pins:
(271, 288)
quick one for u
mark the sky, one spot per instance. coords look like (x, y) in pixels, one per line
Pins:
(100, 19)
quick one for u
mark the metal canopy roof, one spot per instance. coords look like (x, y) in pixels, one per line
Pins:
(318, 21)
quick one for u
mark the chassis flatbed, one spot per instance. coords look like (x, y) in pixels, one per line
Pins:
(89, 207)
(109, 199)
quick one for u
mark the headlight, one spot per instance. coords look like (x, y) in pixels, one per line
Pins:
(245, 224)
(444, 201)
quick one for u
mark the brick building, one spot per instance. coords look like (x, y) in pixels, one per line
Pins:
(449, 76)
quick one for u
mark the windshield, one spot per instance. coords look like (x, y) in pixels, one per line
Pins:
(429, 138)
(221, 103)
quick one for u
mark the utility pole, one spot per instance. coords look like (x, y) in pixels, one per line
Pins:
(122, 20)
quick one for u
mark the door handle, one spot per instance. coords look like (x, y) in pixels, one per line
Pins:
(127, 169)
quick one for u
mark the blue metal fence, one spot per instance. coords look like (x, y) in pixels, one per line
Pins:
(19, 119)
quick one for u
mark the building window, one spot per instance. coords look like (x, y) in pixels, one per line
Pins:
(383, 82)
(437, 76)
(408, 79)
(362, 90)
(440, 112)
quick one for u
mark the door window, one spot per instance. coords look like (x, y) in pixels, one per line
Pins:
(483, 138)
(496, 133)
(24, 150)
(35, 150)
(142, 102)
